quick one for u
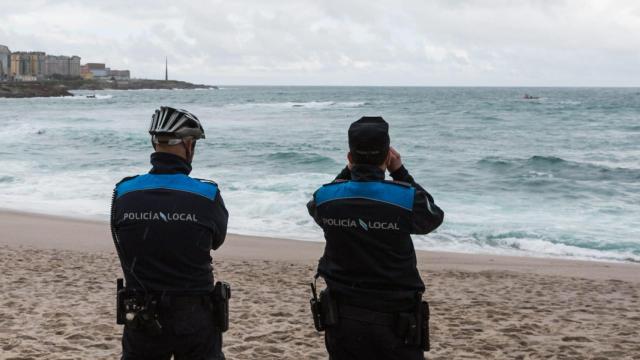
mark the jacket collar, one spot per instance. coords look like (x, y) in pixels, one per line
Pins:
(165, 163)
(366, 172)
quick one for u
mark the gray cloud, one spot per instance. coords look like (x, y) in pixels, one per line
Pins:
(403, 42)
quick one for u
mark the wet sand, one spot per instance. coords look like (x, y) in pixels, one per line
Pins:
(58, 287)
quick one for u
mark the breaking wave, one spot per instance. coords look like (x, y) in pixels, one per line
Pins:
(87, 96)
(555, 167)
(303, 105)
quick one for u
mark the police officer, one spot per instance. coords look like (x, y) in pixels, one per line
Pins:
(165, 224)
(369, 262)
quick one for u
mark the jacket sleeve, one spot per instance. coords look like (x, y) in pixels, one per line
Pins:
(345, 174)
(114, 228)
(427, 216)
(220, 219)
(313, 209)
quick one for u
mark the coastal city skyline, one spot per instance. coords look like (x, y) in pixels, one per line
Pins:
(38, 65)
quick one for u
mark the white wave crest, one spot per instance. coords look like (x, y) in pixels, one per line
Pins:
(304, 105)
(89, 97)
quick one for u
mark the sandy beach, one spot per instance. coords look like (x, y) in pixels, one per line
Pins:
(57, 299)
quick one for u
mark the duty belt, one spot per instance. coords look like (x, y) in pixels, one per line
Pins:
(169, 301)
(366, 315)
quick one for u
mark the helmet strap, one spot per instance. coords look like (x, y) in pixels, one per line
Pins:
(189, 152)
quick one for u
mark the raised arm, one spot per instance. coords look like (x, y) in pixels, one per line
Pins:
(427, 216)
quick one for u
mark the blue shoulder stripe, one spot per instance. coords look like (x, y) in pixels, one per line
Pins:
(400, 196)
(179, 182)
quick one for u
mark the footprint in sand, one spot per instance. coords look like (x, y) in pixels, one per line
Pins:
(79, 336)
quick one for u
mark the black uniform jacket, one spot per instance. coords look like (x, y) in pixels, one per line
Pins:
(369, 258)
(166, 224)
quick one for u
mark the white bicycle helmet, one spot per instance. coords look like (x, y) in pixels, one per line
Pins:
(175, 123)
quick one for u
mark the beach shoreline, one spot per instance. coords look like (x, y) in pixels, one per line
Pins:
(63, 233)
(58, 293)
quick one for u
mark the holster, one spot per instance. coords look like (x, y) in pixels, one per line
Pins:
(220, 302)
(424, 326)
(324, 309)
(329, 307)
(316, 312)
(137, 310)
(414, 327)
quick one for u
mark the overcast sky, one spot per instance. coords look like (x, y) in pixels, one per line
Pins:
(342, 42)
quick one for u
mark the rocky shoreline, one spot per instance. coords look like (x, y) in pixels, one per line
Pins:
(29, 90)
(63, 88)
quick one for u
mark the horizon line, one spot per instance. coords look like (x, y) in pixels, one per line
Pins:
(435, 86)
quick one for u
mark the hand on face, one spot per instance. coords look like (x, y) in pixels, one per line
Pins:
(394, 161)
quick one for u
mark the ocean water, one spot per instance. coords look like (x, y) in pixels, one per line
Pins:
(556, 176)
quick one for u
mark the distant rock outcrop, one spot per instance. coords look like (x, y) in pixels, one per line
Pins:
(29, 90)
(137, 84)
(62, 87)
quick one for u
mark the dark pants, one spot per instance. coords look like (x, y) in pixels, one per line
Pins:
(353, 339)
(187, 333)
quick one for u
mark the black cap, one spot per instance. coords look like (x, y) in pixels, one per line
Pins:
(369, 136)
